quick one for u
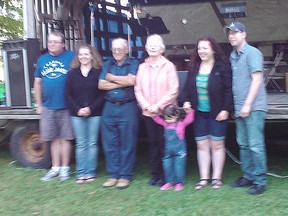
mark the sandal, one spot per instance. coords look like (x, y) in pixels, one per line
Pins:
(216, 183)
(201, 184)
(90, 179)
(80, 180)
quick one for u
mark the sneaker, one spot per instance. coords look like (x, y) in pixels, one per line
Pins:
(111, 182)
(64, 174)
(178, 187)
(49, 175)
(122, 183)
(166, 186)
(241, 182)
(256, 189)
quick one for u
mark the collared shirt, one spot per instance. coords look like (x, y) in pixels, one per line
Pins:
(111, 66)
(244, 63)
(156, 84)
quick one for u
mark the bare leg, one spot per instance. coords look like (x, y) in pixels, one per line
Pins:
(65, 152)
(55, 152)
(204, 158)
(218, 158)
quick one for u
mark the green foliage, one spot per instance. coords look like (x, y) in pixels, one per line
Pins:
(11, 21)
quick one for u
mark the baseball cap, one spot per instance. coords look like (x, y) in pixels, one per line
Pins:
(235, 26)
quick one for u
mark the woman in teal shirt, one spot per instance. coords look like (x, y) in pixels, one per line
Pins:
(209, 89)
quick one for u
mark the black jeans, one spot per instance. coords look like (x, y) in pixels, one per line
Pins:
(155, 134)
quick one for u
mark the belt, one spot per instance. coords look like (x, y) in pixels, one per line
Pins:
(121, 102)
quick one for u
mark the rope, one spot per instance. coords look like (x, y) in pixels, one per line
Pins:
(239, 162)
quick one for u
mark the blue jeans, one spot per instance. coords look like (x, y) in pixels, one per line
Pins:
(250, 137)
(119, 129)
(86, 131)
(174, 160)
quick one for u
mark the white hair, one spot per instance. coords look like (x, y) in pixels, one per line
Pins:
(121, 41)
(158, 38)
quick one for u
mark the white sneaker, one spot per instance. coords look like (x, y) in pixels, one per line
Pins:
(64, 174)
(49, 175)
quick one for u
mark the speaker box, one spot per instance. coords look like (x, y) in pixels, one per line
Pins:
(20, 57)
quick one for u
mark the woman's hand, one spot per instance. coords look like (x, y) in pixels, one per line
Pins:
(153, 109)
(223, 115)
(187, 106)
(84, 112)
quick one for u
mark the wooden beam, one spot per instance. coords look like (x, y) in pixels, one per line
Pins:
(217, 12)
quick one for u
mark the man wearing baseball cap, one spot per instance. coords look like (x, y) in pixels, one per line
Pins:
(249, 96)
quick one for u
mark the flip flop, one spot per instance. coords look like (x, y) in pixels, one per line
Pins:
(80, 180)
(90, 179)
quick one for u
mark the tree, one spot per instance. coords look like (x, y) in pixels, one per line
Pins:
(11, 22)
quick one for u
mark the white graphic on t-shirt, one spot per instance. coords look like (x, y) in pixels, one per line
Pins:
(54, 69)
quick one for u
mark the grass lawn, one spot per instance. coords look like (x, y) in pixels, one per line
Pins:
(21, 192)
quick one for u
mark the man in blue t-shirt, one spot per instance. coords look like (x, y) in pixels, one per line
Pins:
(50, 77)
(119, 124)
(249, 96)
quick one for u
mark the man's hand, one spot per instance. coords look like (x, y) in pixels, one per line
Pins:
(109, 77)
(39, 110)
(245, 111)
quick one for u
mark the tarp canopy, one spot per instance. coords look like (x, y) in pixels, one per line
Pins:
(266, 21)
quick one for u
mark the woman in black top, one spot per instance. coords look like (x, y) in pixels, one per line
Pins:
(209, 89)
(86, 104)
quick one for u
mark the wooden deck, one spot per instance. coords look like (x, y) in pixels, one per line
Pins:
(277, 106)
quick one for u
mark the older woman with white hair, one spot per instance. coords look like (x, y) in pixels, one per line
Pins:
(157, 85)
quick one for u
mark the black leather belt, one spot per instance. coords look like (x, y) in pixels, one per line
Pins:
(121, 102)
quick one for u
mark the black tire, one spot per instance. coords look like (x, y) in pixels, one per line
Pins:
(26, 147)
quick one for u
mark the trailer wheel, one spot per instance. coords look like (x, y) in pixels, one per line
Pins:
(27, 148)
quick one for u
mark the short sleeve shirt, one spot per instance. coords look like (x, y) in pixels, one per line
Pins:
(130, 65)
(244, 63)
(53, 72)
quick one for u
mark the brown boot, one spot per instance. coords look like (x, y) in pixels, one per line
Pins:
(122, 183)
(111, 182)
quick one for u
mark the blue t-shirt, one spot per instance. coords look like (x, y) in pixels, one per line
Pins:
(53, 72)
(129, 66)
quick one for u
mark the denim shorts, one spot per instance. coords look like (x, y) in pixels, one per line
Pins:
(55, 124)
(206, 127)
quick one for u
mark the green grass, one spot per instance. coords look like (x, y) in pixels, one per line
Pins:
(21, 193)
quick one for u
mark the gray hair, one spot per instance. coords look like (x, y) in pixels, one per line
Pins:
(122, 41)
(158, 38)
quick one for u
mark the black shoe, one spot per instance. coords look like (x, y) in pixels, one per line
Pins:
(241, 182)
(257, 189)
(159, 183)
(153, 181)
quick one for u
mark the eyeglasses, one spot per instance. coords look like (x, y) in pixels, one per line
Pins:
(54, 42)
(233, 33)
(119, 50)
